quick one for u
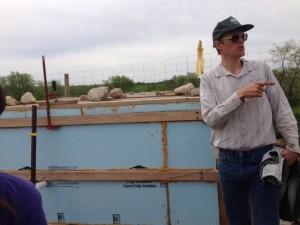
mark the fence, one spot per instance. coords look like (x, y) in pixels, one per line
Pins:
(157, 70)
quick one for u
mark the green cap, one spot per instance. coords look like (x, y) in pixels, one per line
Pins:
(228, 25)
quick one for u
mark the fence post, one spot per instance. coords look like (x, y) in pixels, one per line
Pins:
(67, 85)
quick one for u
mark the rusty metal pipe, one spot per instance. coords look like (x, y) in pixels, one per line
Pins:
(46, 93)
(50, 126)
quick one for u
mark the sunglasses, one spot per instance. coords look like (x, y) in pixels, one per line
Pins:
(236, 37)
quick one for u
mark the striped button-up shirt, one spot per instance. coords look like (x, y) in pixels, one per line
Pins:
(243, 125)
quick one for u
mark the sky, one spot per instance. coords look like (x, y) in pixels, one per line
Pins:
(82, 35)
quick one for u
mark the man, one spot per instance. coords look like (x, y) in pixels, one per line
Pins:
(240, 100)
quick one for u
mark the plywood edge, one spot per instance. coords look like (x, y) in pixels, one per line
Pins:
(66, 104)
(169, 176)
(145, 117)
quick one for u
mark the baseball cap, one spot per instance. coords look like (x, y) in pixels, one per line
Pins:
(228, 25)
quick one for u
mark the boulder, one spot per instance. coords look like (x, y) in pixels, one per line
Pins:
(184, 89)
(195, 92)
(83, 98)
(116, 93)
(10, 101)
(98, 94)
(28, 98)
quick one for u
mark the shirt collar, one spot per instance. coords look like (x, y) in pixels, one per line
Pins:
(248, 66)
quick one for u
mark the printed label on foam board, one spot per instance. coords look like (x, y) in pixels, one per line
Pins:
(74, 184)
(141, 184)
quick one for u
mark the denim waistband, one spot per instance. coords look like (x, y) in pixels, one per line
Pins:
(262, 149)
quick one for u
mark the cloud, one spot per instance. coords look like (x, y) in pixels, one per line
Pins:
(39, 27)
(82, 35)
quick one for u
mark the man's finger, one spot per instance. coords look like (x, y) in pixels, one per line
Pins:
(262, 84)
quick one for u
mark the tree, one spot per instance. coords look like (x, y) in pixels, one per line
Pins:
(77, 90)
(287, 59)
(184, 79)
(39, 89)
(17, 84)
(3, 81)
(123, 82)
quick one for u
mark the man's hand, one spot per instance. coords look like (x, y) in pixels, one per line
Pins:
(253, 90)
(290, 156)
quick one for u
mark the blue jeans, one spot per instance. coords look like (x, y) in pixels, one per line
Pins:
(242, 187)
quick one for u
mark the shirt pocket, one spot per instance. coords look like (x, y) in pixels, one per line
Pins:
(256, 106)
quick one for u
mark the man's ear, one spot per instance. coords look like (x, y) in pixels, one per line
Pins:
(217, 44)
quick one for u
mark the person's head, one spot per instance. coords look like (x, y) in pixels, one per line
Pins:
(230, 35)
(2, 100)
(6, 209)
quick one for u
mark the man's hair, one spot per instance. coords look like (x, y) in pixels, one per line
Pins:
(220, 39)
(2, 100)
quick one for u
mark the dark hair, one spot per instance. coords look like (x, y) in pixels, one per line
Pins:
(2, 100)
(8, 209)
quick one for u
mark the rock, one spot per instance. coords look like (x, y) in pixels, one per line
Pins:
(185, 89)
(83, 98)
(10, 101)
(98, 94)
(116, 93)
(195, 92)
(28, 98)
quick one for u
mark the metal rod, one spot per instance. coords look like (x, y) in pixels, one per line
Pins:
(33, 144)
(46, 93)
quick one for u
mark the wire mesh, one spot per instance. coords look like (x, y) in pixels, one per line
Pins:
(157, 70)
